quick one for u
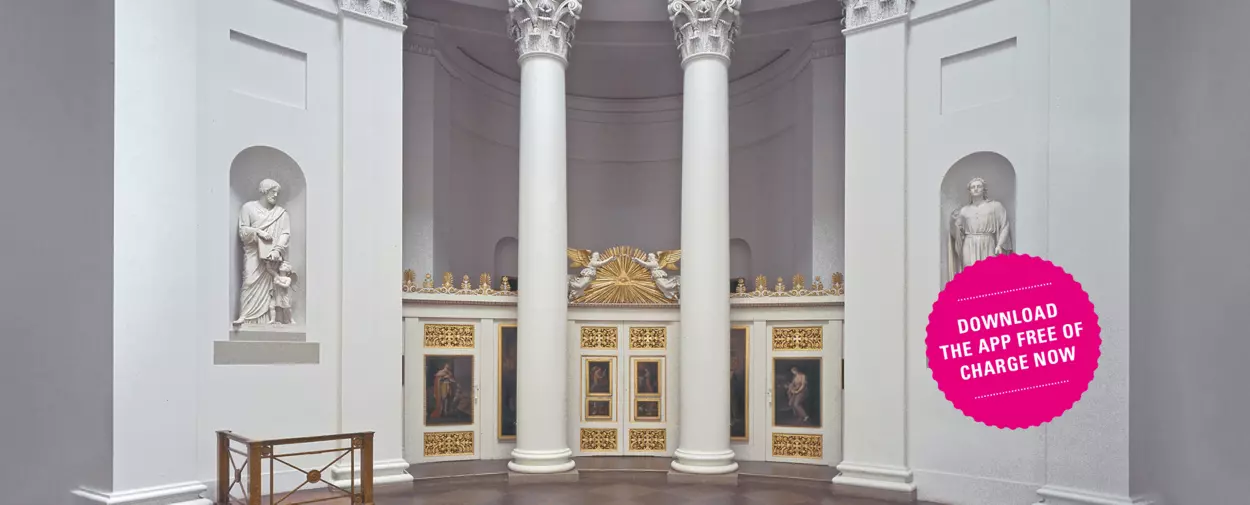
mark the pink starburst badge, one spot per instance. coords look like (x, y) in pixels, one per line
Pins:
(1013, 341)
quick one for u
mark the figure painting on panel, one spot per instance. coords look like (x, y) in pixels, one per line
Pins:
(797, 383)
(599, 377)
(449, 390)
(648, 375)
(647, 410)
(737, 383)
(977, 230)
(265, 230)
(599, 409)
(507, 381)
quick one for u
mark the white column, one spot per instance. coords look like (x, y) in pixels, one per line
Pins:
(543, 32)
(705, 32)
(372, 324)
(875, 403)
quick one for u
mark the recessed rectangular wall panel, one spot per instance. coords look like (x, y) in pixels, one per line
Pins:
(981, 76)
(268, 71)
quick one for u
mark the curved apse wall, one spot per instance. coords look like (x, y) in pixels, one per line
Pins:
(624, 171)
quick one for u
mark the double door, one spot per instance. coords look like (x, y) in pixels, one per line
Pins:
(623, 388)
(803, 392)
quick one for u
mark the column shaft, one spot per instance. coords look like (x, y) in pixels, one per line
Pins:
(704, 430)
(542, 303)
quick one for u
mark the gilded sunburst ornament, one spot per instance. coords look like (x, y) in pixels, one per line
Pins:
(620, 281)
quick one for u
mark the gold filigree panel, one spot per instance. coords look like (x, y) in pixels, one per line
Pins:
(598, 337)
(648, 440)
(788, 445)
(648, 338)
(598, 440)
(798, 338)
(449, 336)
(449, 443)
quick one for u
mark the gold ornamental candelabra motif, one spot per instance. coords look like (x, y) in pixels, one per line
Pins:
(796, 289)
(466, 288)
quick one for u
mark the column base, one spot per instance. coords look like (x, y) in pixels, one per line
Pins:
(555, 461)
(704, 462)
(1058, 495)
(879, 482)
(719, 479)
(542, 478)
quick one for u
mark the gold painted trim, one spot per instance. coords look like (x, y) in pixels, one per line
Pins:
(659, 386)
(449, 336)
(425, 373)
(746, 384)
(648, 337)
(609, 397)
(499, 376)
(798, 338)
(648, 440)
(773, 411)
(599, 337)
(598, 440)
(793, 445)
(448, 443)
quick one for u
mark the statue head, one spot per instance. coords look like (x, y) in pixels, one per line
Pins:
(269, 189)
(594, 256)
(651, 257)
(976, 189)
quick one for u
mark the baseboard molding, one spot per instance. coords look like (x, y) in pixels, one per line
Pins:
(875, 481)
(1059, 495)
(947, 487)
(391, 471)
(186, 493)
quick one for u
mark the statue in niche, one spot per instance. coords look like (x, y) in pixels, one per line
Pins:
(977, 230)
(592, 263)
(657, 262)
(265, 230)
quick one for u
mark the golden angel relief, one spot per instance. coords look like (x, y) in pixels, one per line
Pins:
(624, 275)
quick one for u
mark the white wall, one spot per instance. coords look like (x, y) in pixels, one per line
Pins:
(1189, 271)
(56, 135)
(1043, 84)
(624, 167)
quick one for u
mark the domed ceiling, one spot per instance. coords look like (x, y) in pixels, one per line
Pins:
(624, 49)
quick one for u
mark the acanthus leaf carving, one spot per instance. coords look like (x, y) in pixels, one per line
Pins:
(390, 11)
(543, 26)
(857, 13)
(705, 27)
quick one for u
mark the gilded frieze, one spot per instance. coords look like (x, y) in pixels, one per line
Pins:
(598, 439)
(648, 337)
(789, 445)
(798, 338)
(449, 336)
(598, 337)
(449, 443)
(648, 440)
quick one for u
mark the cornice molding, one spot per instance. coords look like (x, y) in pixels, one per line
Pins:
(825, 48)
(543, 26)
(705, 27)
(859, 15)
(389, 13)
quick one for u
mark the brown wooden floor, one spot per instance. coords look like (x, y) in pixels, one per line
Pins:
(606, 481)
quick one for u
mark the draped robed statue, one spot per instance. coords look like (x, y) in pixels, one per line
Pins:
(978, 230)
(265, 230)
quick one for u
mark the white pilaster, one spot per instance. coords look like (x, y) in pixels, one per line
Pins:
(154, 369)
(372, 227)
(875, 403)
(543, 30)
(705, 32)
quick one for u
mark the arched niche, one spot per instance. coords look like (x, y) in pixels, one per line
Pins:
(249, 168)
(740, 259)
(505, 260)
(1000, 185)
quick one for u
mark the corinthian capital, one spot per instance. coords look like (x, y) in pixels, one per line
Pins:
(543, 26)
(705, 27)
